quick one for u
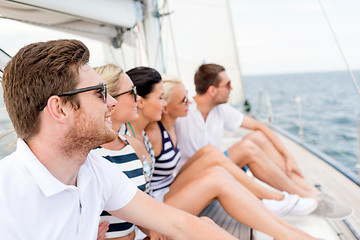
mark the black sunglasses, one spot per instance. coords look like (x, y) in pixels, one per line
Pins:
(102, 87)
(227, 85)
(131, 91)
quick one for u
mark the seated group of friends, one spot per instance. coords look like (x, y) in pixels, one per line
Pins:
(166, 143)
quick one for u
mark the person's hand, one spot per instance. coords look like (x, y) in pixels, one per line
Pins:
(292, 167)
(103, 228)
(158, 236)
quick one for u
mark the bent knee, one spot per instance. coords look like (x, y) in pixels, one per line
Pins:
(208, 149)
(213, 158)
(258, 138)
(248, 147)
(245, 149)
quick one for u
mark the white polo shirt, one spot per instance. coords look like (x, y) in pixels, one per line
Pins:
(193, 132)
(35, 205)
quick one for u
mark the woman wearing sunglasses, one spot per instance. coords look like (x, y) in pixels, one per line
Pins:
(120, 150)
(195, 187)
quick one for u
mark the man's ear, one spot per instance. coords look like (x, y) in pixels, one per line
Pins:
(57, 109)
(211, 90)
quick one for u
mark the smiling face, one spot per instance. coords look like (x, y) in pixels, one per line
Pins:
(152, 105)
(126, 109)
(91, 125)
(179, 103)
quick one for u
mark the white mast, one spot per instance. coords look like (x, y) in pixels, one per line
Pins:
(153, 40)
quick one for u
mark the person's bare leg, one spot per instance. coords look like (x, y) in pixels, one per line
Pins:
(245, 152)
(265, 144)
(210, 156)
(197, 191)
(206, 150)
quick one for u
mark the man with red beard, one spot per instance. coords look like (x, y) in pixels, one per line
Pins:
(53, 186)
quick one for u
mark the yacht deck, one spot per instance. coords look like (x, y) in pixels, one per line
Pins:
(317, 172)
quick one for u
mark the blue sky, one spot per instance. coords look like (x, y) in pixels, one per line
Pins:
(277, 36)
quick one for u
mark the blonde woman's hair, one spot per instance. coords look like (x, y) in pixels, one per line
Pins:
(110, 73)
(169, 82)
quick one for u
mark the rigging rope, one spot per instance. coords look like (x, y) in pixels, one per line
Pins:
(339, 46)
(161, 20)
(7, 55)
(156, 13)
(6, 134)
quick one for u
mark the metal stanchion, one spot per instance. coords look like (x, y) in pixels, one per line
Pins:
(301, 129)
(358, 135)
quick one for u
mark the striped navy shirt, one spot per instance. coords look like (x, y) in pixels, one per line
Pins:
(128, 162)
(165, 163)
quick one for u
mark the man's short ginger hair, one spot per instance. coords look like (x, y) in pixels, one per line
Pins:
(37, 72)
(207, 75)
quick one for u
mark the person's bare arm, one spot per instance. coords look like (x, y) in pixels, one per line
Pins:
(291, 166)
(174, 223)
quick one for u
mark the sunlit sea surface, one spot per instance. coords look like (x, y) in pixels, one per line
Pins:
(330, 107)
(329, 101)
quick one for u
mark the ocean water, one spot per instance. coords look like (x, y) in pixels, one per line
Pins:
(330, 107)
(7, 142)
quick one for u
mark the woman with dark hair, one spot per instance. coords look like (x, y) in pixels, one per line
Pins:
(146, 79)
(192, 190)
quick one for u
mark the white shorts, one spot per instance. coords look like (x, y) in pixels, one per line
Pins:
(139, 235)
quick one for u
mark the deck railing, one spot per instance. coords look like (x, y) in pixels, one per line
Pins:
(270, 115)
(358, 136)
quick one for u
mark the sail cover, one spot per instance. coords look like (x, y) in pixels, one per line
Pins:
(100, 20)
